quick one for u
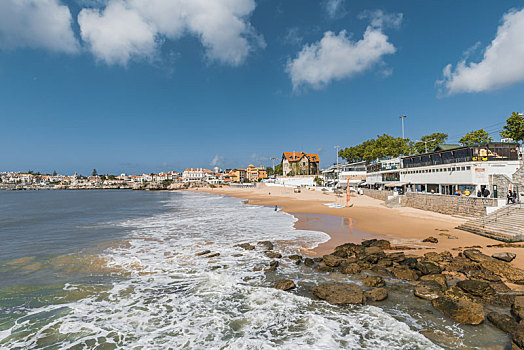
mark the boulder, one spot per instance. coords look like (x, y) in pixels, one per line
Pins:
(428, 290)
(373, 281)
(332, 260)
(246, 246)
(349, 269)
(317, 260)
(397, 257)
(428, 268)
(508, 257)
(322, 267)
(339, 293)
(456, 305)
(272, 266)
(404, 273)
(381, 243)
(438, 278)
(285, 285)
(503, 322)
(273, 255)
(433, 256)
(496, 266)
(266, 244)
(295, 257)
(518, 336)
(309, 262)
(476, 288)
(204, 252)
(430, 240)
(410, 261)
(461, 264)
(376, 294)
(517, 308)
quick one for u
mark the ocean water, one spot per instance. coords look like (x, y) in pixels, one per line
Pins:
(119, 269)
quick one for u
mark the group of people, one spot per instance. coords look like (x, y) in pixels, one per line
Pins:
(512, 197)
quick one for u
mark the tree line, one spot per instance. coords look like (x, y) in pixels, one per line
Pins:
(389, 146)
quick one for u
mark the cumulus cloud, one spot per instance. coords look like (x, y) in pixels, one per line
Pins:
(39, 24)
(502, 63)
(337, 57)
(134, 28)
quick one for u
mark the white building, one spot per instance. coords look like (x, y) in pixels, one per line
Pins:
(341, 173)
(195, 175)
(383, 173)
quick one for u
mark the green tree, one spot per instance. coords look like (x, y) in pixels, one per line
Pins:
(94, 173)
(428, 143)
(514, 128)
(476, 136)
(383, 146)
(54, 172)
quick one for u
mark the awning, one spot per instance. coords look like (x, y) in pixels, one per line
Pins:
(395, 184)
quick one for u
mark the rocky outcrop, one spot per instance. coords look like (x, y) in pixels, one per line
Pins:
(373, 281)
(517, 308)
(507, 257)
(339, 293)
(349, 269)
(273, 255)
(246, 246)
(404, 273)
(266, 244)
(503, 322)
(476, 288)
(498, 267)
(428, 290)
(285, 285)
(438, 278)
(332, 260)
(381, 243)
(455, 304)
(430, 240)
(376, 294)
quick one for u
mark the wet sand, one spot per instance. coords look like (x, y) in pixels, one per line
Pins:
(369, 218)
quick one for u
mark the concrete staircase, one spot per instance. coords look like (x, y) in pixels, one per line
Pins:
(505, 224)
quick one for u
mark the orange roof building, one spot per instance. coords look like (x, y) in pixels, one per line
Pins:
(300, 163)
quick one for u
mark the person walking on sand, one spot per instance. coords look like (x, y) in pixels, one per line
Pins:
(509, 196)
(514, 197)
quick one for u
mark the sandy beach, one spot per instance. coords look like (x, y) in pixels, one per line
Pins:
(369, 218)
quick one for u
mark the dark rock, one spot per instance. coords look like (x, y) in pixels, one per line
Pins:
(428, 268)
(456, 305)
(376, 294)
(461, 264)
(203, 252)
(381, 243)
(438, 278)
(428, 290)
(322, 267)
(498, 267)
(373, 281)
(508, 257)
(518, 336)
(477, 288)
(285, 285)
(266, 244)
(385, 263)
(273, 255)
(411, 262)
(317, 260)
(339, 293)
(430, 240)
(404, 273)
(503, 322)
(246, 246)
(349, 269)
(331, 260)
(434, 257)
(397, 257)
(340, 253)
(272, 266)
(482, 275)
(517, 308)
(295, 257)
(381, 270)
(309, 262)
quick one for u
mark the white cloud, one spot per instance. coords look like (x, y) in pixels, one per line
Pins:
(502, 63)
(337, 57)
(335, 8)
(134, 28)
(217, 161)
(39, 24)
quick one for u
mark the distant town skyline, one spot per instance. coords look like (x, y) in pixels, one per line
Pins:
(127, 88)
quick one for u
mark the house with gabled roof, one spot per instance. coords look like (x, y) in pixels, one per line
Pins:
(300, 163)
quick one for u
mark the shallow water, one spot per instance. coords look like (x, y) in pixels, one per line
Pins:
(120, 270)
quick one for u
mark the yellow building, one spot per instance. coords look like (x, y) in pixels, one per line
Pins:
(238, 175)
(256, 174)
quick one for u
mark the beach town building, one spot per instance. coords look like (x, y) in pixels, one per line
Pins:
(195, 175)
(355, 173)
(238, 175)
(300, 163)
(450, 169)
(254, 173)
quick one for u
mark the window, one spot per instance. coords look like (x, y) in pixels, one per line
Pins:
(462, 168)
(468, 168)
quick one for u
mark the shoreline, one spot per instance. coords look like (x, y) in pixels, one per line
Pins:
(402, 226)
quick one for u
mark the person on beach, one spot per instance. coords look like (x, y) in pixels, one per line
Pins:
(514, 197)
(510, 197)
(467, 193)
(276, 208)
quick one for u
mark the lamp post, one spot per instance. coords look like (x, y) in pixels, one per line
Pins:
(426, 143)
(337, 147)
(402, 117)
(273, 159)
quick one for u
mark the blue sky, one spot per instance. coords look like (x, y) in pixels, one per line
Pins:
(137, 86)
